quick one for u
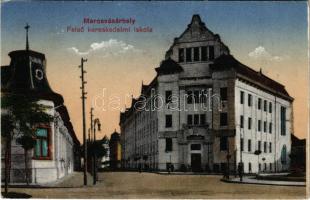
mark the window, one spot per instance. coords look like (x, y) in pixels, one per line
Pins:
(241, 97)
(259, 145)
(265, 147)
(190, 97)
(265, 126)
(168, 121)
(265, 166)
(241, 144)
(168, 96)
(270, 147)
(259, 104)
(249, 100)
(42, 143)
(249, 123)
(259, 125)
(283, 155)
(270, 166)
(250, 167)
(196, 54)
(211, 52)
(181, 55)
(283, 120)
(223, 119)
(195, 147)
(259, 167)
(204, 53)
(223, 143)
(196, 96)
(265, 105)
(202, 119)
(189, 119)
(168, 144)
(249, 145)
(270, 107)
(223, 93)
(270, 127)
(203, 96)
(241, 121)
(196, 119)
(188, 54)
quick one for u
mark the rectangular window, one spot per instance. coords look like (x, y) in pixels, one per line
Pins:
(250, 167)
(265, 105)
(241, 121)
(249, 145)
(259, 104)
(249, 100)
(181, 55)
(223, 93)
(168, 96)
(259, 125)
(270, 127)
(259, 145)
(202, 119)
(265, 166)
(249, 123)
(195, 147)
(190, 97)
(168, 144)
(203, 96)
(270, 166)
(189, 119)
(270, 107)
(204, 53)
(270, 147)
(42, 143)
(259, 167)
(168, 121)
(211, 52)
(265, 126)
(265, 147)
(223, 143)
(196, 53)
(188, 54)
(196, 119)
(196, 96)
(223, 119)
(241, 143)
(283, 120)
(241, 97)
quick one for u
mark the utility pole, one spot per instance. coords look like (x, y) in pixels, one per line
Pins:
(83, 97)
(92, 143)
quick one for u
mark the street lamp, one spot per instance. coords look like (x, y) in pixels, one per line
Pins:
(96, 122)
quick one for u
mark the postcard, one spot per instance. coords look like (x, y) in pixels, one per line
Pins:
(164, 100)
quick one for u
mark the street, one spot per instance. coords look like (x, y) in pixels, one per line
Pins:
(152, 185)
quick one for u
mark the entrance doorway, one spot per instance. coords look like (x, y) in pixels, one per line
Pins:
(196, 162)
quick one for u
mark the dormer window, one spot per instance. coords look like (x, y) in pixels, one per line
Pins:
(196, 54)
(188, 54)
(181, 55)
(204, 53)
(211, 52)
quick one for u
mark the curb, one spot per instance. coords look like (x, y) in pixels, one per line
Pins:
(260, 183)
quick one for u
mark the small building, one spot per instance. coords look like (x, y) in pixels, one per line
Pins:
(56, 152)
(115, 150)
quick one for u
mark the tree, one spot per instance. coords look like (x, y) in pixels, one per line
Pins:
(19, 117)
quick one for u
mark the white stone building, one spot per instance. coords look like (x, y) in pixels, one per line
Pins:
(203, 108)
(56, 152)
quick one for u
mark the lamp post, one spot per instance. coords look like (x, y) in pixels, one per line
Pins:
(96, 122)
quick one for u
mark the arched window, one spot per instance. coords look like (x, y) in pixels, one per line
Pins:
(283, 155)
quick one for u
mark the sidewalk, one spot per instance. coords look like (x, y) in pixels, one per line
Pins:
(73, 180)
(252, 180)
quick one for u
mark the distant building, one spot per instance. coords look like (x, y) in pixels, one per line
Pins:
(56, 153)
(105, 160)
(115, 150)
(206, 111)
(298, 154)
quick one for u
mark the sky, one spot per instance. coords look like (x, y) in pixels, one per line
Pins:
(267, 35)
